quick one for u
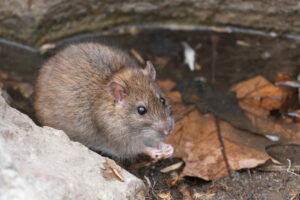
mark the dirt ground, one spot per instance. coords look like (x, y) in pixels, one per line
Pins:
(233, 57)
(244, 184)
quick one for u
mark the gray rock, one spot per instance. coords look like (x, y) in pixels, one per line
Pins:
(42, 163)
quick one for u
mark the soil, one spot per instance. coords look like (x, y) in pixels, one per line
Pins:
(234, 57)
(244, 184)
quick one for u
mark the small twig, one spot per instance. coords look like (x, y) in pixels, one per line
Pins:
(222, 146)
(289, 169)
(148, 181)
(249, 173)
(214, 40)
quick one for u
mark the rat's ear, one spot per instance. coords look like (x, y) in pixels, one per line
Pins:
(150, 70)
(117, 91)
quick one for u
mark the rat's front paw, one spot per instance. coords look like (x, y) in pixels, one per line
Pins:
(167, 150)
(154, 153)
(164, 151)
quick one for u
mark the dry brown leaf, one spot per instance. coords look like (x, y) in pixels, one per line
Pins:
(111, 170)
(196, 141)
(243, 43)
(198, 196)
(186, 193)
(286, 132)
(172, 167)
(108, 174)
(198, 67)
(224, 186)
(257, 97)
(166, 85)
(282, 76)
(131, 31)
(137, 56)
(141, 164)
(45, 48)
(297, 115)
(291, 88)
(3, 75)
(165, 196)
(173, 180)
(243, 149)
(161, 61)
(210, 194)
(201, 196)
(260, 92)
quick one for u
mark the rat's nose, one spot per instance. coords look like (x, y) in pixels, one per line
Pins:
(166, 131)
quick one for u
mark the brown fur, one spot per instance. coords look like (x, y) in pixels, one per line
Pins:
(72, 94)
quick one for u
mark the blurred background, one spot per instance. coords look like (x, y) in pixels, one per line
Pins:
(231, 40)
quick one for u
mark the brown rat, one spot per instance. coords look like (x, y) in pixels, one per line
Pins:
(100, 97)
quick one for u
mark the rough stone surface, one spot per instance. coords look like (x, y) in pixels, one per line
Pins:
(42, 163)
(35, 22)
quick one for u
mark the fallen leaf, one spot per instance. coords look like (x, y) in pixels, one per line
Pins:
(198, 67)
(224, 186)
(295, 114)
(197, 141)
(141, 164)
(282, 76)
(45, 48)
(131, 31)
(202, 196)
(186, 194)
(209, 195)
(172, 167)
(260, 92)
(294, 194)
(198, 196)
(111, 170)
(137, 56)
(108, 174)
(148, 181)
(262, 124)
(161, 61)
(3, 75)
(173, 180)
(243, 149)
(165, 196)
(291, 88)
(243, 43)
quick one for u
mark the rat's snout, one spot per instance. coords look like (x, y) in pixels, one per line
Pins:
(169, 126)
(164, 127)
(166, 132)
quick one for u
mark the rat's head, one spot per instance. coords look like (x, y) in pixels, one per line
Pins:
(145, 109)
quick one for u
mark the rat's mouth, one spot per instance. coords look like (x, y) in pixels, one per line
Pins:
(152, 138)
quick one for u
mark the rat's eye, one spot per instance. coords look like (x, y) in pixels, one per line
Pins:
(142, 110)
(162, 100)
